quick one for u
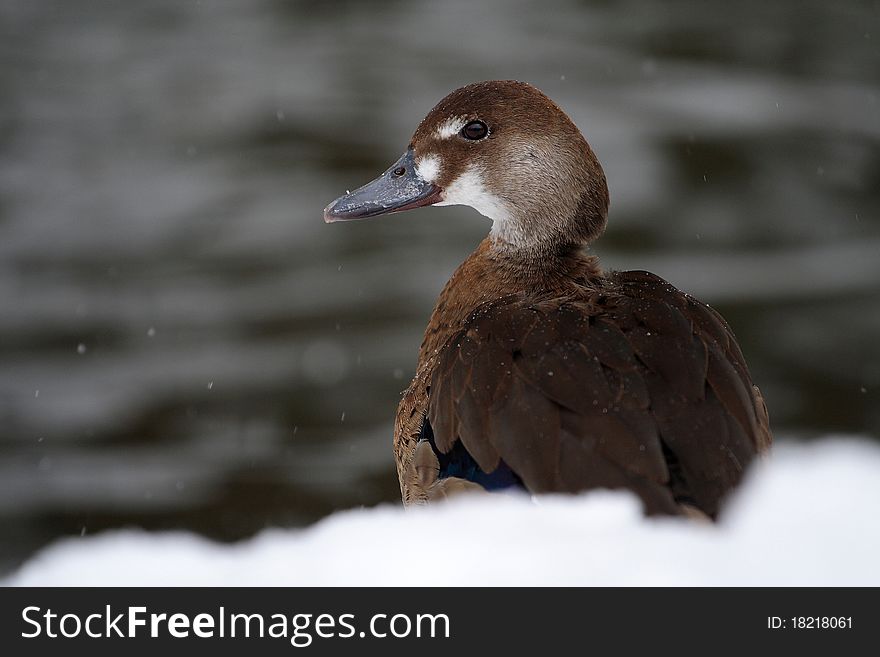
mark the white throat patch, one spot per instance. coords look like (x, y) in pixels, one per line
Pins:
(468, 189)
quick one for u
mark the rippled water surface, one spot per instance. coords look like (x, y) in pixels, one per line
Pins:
(185, 344)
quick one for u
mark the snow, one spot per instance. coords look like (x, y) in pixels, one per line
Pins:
(807, 516)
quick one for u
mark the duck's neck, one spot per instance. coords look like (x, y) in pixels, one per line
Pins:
(494, 271)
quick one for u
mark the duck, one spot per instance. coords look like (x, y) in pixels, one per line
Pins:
(540, 371)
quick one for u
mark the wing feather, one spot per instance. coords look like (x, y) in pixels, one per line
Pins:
(643, 388)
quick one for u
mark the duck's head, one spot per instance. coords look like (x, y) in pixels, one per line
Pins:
(504, 149)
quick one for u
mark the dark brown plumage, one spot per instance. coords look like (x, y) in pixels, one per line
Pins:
(537, 367)
(631, 385)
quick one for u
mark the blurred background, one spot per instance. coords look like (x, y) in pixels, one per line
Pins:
(185, 344)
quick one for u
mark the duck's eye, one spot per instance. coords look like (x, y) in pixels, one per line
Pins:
(475, 130)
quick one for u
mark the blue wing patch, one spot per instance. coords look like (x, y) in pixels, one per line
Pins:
(459, 463)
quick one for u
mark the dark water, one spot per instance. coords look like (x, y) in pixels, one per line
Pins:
(185, 344)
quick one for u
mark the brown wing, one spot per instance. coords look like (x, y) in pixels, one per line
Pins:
(642, 388)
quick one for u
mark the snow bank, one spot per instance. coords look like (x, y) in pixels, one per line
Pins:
(809, 516)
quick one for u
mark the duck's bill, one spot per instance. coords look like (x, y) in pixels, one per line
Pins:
(398, 189)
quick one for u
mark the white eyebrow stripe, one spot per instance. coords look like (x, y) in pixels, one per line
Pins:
(450, 127)
(428, 168)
